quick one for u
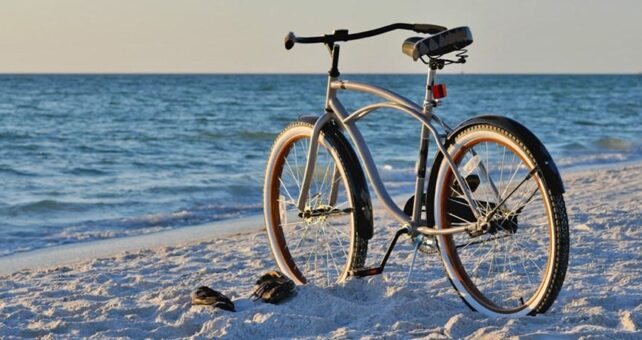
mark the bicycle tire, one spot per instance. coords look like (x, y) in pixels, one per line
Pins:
(355, 192)
(474, 290)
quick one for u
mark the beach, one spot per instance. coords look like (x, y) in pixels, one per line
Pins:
(146, 292)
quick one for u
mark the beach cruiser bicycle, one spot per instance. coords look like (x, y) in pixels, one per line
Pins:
(491, 208)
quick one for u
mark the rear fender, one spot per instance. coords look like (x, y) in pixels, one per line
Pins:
(543, 159)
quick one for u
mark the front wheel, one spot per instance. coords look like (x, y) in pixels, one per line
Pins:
(322, 243)
(516, 265)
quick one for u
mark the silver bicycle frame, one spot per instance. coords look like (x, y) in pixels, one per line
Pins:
(425, 115)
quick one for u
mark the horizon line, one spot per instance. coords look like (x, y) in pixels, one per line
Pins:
(323, 73)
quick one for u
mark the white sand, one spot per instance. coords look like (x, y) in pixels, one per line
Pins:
(145, 293)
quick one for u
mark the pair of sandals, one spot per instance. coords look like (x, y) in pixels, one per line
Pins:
(273, 287)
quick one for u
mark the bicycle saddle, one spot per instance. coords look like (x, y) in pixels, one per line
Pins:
(438, 44)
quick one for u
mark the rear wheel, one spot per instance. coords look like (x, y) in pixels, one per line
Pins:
(517, 264)
(321, 244)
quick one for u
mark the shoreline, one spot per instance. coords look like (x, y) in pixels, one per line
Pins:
(67, 254)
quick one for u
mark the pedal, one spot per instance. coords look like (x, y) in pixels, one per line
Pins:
(366, 271)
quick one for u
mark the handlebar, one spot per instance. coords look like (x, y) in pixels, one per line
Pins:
(342, 35)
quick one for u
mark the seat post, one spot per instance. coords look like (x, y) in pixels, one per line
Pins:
(428, 98)
(424, 144)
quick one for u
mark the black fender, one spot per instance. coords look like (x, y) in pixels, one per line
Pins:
(549, 172)
(363, 210)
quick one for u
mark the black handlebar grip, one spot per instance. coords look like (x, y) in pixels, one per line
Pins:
(289, 40)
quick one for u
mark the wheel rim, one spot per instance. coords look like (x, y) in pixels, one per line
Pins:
(313, 248)
(504, 271)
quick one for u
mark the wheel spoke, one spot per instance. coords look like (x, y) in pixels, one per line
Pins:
(336, 232)
(329, 250)
(297, 181)
(286, 190)
(305, 233)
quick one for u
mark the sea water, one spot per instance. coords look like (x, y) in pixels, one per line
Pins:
(85, 157)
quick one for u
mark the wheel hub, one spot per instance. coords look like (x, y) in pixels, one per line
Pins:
(322, 212)
(506, 222)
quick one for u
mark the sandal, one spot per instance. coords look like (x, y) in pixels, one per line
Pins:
(207, 296)
(273, 287)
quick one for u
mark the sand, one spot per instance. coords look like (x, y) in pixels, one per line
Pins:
(145, 293)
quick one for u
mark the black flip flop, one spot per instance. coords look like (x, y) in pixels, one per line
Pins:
(208, 296)
(274, 287)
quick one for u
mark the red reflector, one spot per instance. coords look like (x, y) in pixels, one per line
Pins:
(439, 91)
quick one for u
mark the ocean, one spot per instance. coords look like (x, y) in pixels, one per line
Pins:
(86, 157)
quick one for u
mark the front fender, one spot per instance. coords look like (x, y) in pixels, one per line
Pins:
(363, 212)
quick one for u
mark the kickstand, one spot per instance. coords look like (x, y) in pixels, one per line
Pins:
(418, 241)
(367, 271)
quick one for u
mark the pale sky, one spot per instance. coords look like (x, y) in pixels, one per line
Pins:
(240, 36)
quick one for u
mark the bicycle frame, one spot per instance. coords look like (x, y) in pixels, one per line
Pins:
(335, 110)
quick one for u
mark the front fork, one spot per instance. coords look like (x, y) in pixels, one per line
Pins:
(311, 160)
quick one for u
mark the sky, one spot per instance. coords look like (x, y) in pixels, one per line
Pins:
(241, 36)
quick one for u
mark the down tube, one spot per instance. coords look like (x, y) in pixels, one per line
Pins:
(370, 167)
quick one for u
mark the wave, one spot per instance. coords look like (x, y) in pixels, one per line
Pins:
(575, 146)
(613, 143)
(14, 239)
(390, 173)
(208, 135)
(266, 88)
(101, 149)
(86, 172)
(591, 159)
(15, 136)
(174, 189)
(257, 135)
(37, 207)
(586, 122)
(14, 242)
(11, 171)
(49, 206)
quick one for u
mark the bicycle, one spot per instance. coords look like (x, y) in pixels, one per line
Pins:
(492, 206)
